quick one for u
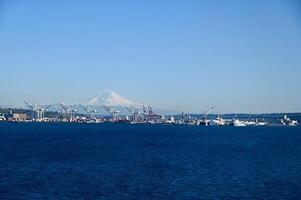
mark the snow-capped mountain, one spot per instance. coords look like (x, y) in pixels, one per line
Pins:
(106, 98)
(116, 101)
(110, 98)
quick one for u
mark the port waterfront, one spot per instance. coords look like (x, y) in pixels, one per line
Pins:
(183, 119)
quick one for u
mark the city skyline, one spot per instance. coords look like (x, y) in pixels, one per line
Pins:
(187, 56)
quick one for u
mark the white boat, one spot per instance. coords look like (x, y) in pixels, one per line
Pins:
(287, 121)
(220, 121)
(258, 123)
(237, 122)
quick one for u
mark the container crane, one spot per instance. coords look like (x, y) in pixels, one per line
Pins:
(37, 111)
(41, 111)
(68, 110)
(111, 111)
(134, 113)
(89, 111)
(204, 121)
(208, 112)
(31, 107)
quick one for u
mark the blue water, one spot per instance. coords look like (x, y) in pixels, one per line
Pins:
(119, 161)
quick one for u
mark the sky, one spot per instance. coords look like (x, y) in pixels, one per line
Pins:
(235, 55)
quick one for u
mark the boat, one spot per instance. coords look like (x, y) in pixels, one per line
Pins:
(237, 122)
(288, 122)
(220, 121)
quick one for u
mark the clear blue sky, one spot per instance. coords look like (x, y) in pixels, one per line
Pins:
(240, 56)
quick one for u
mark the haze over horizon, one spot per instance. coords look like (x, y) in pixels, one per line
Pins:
(238, 56)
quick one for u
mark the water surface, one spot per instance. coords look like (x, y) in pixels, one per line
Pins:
(114, 161)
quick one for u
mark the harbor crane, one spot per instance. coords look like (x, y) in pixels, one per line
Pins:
(149, 114)
(134, 113)
(41, 111)
(111, 111)
(144, 110)
(68, 110)
(144, 113)
(150, 111)
(31, 108)
(204, 121)
(37, 111)
(64, 108)
(89, 111)
(207, 113)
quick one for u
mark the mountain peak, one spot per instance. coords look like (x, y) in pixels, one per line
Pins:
(109, 98)
(108, 93)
